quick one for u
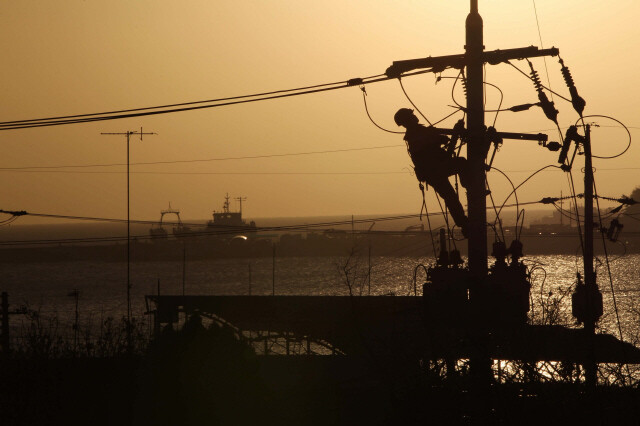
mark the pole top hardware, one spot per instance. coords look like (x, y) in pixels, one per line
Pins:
(440, 63)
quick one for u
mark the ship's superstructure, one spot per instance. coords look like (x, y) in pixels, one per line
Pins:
(179, 229)
(226, 223)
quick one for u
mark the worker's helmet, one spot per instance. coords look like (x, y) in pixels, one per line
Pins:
(403, 116)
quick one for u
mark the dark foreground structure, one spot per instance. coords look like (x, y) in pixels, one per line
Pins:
(388, 359)
(274, 360)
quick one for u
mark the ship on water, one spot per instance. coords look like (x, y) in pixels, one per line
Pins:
(228, 224)
(179, 229)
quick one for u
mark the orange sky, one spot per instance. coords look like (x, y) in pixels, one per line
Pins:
(71, 57)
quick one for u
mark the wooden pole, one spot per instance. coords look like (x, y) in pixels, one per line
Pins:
(477, 149)
(590, 366)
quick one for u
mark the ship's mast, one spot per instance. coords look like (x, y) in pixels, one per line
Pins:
(240, 200)
(225, 206)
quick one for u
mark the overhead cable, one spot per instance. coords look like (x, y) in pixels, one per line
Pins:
(192, 106)
(210, 173)
(204, 160)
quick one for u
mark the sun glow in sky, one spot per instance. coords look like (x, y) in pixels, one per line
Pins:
(71, 57)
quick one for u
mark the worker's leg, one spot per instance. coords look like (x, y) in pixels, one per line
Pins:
(460, 166)
(445, 190)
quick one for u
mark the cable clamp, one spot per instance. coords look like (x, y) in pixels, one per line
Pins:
(549, 200)
(14, 213)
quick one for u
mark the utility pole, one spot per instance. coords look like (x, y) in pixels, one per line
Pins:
(128, 135)
(479, 141)
(473, 60)
(477, 150)
(592, 295)
(477, 147)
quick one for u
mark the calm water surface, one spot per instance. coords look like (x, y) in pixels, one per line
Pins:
(102, 285)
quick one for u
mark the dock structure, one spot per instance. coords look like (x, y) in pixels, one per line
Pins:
(364, 327)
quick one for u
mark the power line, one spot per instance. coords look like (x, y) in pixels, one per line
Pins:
(216, 230)
(16, 214)
(176, 104)
(529, 77)
(535, 10)
(192, 106)
(207, 173)
(203, 160)
(252, 157)
(151, 222)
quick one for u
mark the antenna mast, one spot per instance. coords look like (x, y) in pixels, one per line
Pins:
(128, 135)
(240, 200)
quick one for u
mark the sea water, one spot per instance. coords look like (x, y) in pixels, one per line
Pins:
(102, 286)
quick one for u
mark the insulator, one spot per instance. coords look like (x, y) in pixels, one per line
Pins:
(566, 74)
(547, 106)
(576, 100)
(463, 82)
(536, 78)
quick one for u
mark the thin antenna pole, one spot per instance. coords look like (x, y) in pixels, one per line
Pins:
(184, 266)
(128, 240)
(369, 273)
(273, 278)
(561, 221)
(129, 312)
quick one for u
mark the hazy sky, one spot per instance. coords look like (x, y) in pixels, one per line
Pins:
(70, 57)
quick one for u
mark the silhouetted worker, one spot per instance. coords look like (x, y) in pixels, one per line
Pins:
(432, 164)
